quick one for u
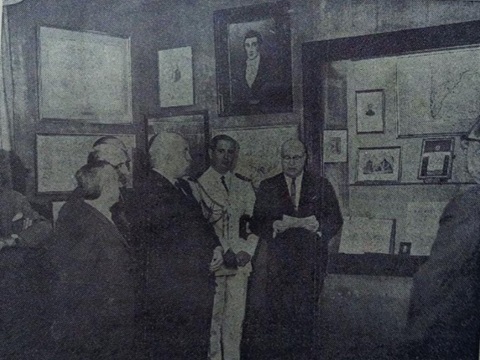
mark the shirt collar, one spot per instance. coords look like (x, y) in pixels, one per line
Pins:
(298, 179)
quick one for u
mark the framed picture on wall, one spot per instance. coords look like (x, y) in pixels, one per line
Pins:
(84, 76)
(335, 146)
(59, 156)
(380, 164)
(192, 125)
(253, 59)
(175, 77)
(436, 159)
(370, 111)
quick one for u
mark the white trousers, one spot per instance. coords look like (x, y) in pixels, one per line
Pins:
(228, 314)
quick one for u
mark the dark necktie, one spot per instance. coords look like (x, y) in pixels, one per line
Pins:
(224, 183)
(183, 186)
(293, 193)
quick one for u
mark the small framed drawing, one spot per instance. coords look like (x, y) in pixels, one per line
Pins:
(378, 164)
(175, 77)
(192, 125)
(370, 111)
(59, 156)
(334, 146)
(436, 159)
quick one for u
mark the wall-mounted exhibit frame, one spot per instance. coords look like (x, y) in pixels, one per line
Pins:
(59, 156)
(84, 76)
(192, 125)
(436, 159)
(379, 165)
(335, 148)
(317, 55)
(175, 77)
(370, 111)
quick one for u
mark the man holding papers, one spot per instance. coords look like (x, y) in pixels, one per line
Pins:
(297, 213)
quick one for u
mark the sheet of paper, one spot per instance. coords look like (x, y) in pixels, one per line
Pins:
(361, 235)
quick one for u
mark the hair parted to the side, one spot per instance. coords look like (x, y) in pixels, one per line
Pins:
(253, 33)
(89, 179)
(223, 137)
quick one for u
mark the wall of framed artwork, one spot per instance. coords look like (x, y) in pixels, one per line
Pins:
(253, 59)
(175, 77)
(192, 125)
(59, 156)
(84, 76)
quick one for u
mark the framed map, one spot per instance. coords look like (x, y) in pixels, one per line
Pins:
(259, 157)
(438, 92)
(84, 76)
(58, 157)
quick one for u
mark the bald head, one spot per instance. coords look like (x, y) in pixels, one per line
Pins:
(169, 154)
(293, 157)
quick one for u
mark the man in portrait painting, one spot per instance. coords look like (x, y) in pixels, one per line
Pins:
(257, 80)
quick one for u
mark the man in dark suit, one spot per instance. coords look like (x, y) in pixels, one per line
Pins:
(444, 315)
(179, 243)
(297, 214)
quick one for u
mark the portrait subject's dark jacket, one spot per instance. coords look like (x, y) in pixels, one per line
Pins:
(93, 293)
(444, 319)
(268, 89)
(179, 287)
(296, 258)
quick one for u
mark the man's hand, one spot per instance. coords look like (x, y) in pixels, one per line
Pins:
(217, 259)
(279, 226)
(311, 225)
(243, 258)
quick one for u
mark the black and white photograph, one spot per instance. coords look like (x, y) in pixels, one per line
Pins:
(239, 180)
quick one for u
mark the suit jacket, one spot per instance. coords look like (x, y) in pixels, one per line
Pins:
(93, 293)
(179, 288)
(296, 259)
(268, 88)
(444, 315)
(317, 198)
(13, 203)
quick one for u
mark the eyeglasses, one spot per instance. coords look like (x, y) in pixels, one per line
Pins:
(126, 163)
(294, 158)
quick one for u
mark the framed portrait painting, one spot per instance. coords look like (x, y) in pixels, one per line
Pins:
(253, 59)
